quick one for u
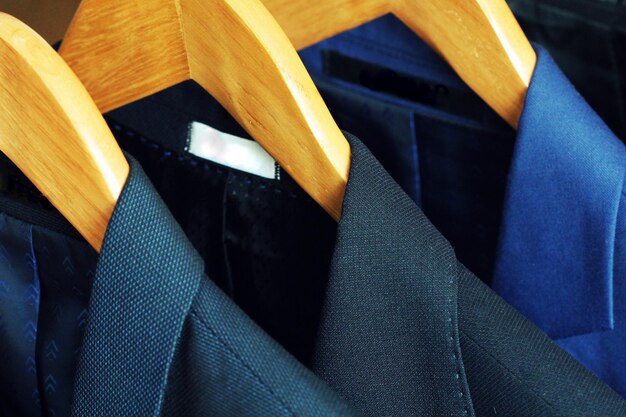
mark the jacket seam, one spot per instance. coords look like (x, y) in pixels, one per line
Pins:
(513, 374)
(456, 353)
(246, 365)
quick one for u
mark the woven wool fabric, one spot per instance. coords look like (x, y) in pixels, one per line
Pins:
(147, 280)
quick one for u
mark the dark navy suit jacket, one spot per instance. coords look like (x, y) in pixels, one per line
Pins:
(405, 329)
(538, 213)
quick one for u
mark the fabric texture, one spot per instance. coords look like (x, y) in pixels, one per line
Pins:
(18, 318)
(391, 304)
(150, 289)
(391, 270)
(218, 347)
(542, 231)
(212, 359)
(226, 366)
(126, 352)
(46, 282)
(556, 252)
(562, 258)
(374, 394)
(601, 351)
(514, 369)
(251, 232)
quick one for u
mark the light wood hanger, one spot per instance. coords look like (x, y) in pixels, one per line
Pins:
(52, 130)
(124, 50)
(480, 39)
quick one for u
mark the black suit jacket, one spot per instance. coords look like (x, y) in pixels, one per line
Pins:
(404, 329)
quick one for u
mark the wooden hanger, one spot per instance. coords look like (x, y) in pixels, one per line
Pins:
(52, 130)
(480, 39)
(124, 50)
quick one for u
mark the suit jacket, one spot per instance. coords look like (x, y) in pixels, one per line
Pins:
(562, 254)
(405, 329)
(400, 328)
(538, 213)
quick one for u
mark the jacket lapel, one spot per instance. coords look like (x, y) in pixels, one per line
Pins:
(388, 339)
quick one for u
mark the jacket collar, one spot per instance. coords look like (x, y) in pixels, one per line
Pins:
(390, 313)
(146, 278)
(391, 305)
(555, 260)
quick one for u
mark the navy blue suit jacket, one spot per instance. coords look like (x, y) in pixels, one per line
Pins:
(402, 327)
(405, 329)
(537, 213)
